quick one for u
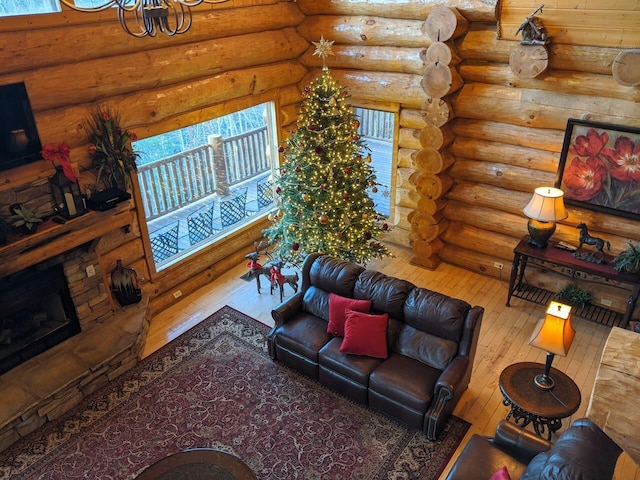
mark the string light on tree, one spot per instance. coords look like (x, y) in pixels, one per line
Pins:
(321, 193)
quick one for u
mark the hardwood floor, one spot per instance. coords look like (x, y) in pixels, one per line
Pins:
(503, 336)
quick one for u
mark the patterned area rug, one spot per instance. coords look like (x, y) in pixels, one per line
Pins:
(216, 387)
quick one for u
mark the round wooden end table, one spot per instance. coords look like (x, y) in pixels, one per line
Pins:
(198, 464)
(545, 409)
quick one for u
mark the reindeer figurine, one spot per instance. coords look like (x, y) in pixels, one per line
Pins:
(278, 279)
(255, 268)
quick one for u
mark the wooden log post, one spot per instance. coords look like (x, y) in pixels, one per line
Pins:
(439, 80)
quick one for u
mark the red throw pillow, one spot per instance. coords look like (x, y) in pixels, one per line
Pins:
(501, 474)
(337, 307)
(365, 334)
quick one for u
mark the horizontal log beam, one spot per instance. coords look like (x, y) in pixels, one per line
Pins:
(365, 30)
(147, 111)
(538, 108)
(473, 10)
(560, 81)
(481, 43)
(486, 130)
(370, 58)
(402, 88)
(501, 175)
(509, 154)
(99, 35)
(150, 71)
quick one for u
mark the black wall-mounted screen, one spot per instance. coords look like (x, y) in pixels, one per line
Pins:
(19, 140)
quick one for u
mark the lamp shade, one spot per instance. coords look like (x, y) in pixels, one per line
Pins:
(554, 332)
(546, 205)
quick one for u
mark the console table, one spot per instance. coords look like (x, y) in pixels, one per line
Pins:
(563, 262)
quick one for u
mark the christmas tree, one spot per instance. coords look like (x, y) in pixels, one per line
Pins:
(321, 192)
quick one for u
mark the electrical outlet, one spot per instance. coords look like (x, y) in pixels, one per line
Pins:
(498, 265)
(177, 294)
(606, 302)
(91, 270)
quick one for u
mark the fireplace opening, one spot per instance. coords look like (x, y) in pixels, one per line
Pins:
(37, 313)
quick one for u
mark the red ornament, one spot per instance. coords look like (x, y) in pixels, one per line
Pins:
(313, 127)
(367, 235)
(346, 196)
(298, 169)
(385, 227)
(339, 234)
(323, 187)
(295, 247)
(323, 219)
(319, 150)
(347, 170)
(281, 149)
(278, 189)
(356, 137)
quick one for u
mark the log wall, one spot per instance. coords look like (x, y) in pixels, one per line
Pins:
(508, 137)
(380, 57)
(505, 133)
(235, 55)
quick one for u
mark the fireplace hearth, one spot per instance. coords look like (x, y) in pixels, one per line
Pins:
(37, 313)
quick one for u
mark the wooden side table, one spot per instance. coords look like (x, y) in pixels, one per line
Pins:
(545, 409)
(198, 464)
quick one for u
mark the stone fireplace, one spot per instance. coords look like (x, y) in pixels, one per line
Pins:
(102, 341)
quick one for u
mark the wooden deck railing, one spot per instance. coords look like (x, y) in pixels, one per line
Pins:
(375, 123)
(173, 182)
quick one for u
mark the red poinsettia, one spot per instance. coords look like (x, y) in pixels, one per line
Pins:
(60, 154)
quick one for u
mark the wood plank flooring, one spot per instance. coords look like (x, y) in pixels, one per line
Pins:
(503, 337)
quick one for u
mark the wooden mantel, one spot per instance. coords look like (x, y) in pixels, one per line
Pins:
(52, 239)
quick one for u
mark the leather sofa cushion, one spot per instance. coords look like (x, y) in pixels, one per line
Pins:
(480, 459)
(431, 350)
(405, 380)
(582, 452)
(334, 275)
(304, 334)
(387, 294)
(435, 313)
(316, 302)
(355, 367)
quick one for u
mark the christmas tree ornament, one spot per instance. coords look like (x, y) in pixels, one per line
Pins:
(323, 219)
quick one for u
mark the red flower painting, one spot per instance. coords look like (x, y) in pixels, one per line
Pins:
(600, 167)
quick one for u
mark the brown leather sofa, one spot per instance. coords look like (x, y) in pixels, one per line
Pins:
(431, 342)
(582, 452)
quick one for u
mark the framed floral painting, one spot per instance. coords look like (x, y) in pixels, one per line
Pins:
(600, 168)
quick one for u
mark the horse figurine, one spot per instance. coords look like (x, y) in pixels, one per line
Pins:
(586, 239)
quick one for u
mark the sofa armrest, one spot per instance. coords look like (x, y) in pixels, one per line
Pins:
(447, 391)
(518, 442)
(451, 379)
(286, 310)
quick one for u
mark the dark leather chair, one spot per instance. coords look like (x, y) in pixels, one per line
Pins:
(582, 452)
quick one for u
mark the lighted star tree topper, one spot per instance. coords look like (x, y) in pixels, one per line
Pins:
(322, 204)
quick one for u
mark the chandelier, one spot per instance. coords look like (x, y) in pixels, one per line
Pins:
(142, 18)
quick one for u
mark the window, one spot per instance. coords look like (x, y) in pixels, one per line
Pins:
(201, 182)
(9, 8)
(377, 129)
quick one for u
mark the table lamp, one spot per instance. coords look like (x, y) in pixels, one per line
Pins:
(554, 334)
(545, 208)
